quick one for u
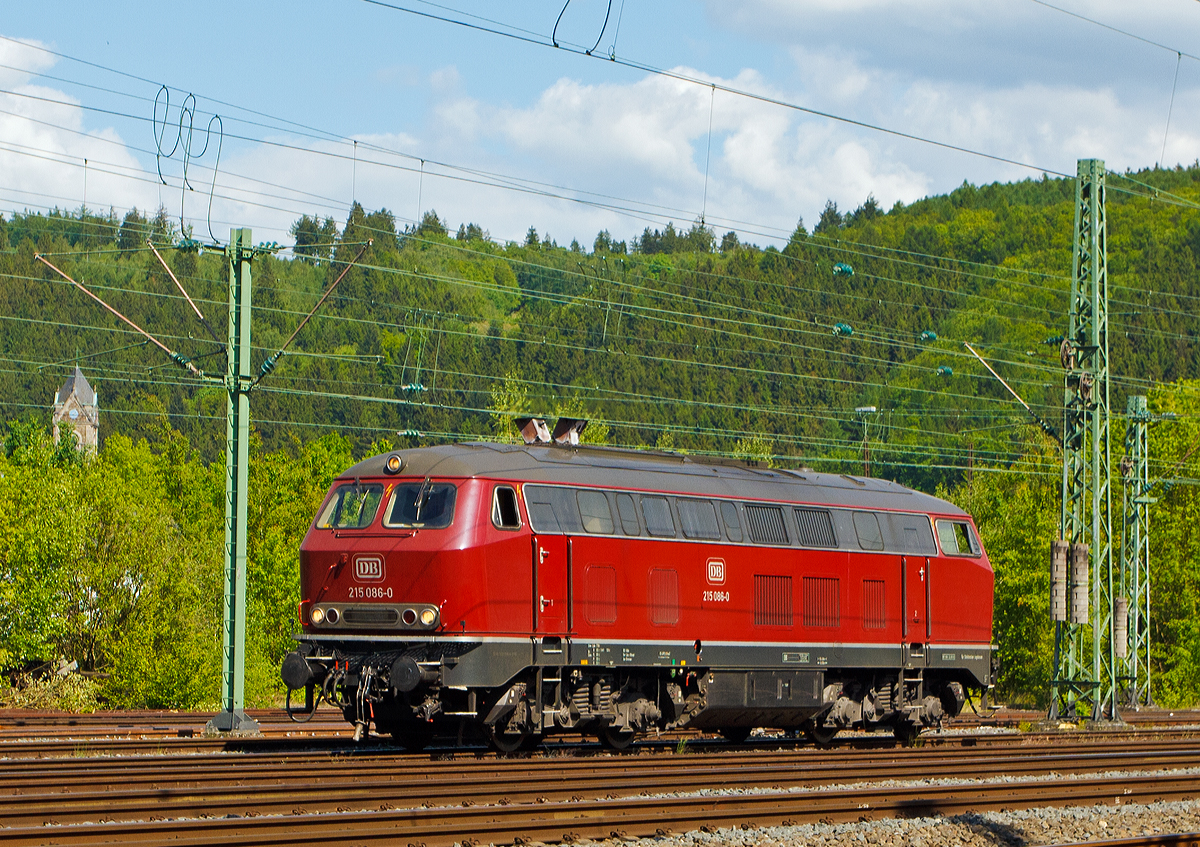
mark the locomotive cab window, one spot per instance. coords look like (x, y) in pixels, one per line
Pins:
(866, 527)
(352, 506)
(552, 508)
(594, 510)
(426, 504)
(733, 524)
(657, 513)
(914, 534)
(628, 512)
(699, 519)
(957, 539)
(505, 514)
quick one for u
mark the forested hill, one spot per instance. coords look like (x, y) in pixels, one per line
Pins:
(680, 337)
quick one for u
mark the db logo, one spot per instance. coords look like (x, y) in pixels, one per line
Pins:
(368, 569)
(716, 572)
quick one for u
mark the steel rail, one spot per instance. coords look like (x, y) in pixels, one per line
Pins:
(1182, 839)
(641, 816)
(16, 717)
(298, 740)
(58, 798)
(380, 762)
(23, 723)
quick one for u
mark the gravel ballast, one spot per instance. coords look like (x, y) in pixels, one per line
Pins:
(1040, 826)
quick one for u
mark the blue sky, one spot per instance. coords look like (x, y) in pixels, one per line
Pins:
(608, 146)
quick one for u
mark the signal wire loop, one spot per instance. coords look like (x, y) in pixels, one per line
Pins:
(558, 20)
(177, 358)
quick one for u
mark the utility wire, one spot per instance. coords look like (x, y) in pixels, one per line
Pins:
(911, 346)
(709, 365)
(682, 77)
(1117, 30)
(814, 241)
(1170, 109)
(181, 360)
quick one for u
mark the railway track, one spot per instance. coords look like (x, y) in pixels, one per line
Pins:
(137, 743)
(1017, 717)
(17, 724)
(569, 820)
(1187, 839)
(72, 801)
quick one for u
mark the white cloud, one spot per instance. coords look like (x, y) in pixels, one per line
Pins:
(648, 125)
(15, 55)
(44, 144)
(445, 80)
(644, 141)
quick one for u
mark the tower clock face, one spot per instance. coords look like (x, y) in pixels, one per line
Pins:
(73, 414)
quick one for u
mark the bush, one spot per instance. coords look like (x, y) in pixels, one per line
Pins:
(66, 692)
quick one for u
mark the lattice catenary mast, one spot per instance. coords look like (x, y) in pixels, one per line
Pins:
(1131, 616)
(1085, 523)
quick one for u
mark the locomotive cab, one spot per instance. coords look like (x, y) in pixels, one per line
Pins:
(506, 592)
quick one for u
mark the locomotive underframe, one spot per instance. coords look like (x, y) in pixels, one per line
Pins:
(515, 691)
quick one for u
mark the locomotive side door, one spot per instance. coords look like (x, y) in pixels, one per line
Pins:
(550, 584)
(914, 590)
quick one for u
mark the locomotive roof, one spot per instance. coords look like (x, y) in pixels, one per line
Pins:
(673, 472)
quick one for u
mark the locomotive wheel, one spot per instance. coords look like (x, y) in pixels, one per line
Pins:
(821, 735)
(511, 742)
(614, 739)
(735, 734)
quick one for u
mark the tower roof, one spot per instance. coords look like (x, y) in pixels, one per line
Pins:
(78, 385)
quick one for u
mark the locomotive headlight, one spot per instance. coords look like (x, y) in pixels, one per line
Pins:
(332, 616)
(428, 616)
(393, 463)
(317, 615)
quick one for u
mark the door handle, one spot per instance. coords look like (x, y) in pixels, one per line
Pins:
(542, 554)
(545, 601)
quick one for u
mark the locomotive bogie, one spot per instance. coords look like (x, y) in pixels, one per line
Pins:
(511, 592)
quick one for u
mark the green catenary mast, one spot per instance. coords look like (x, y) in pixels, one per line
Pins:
(238, 381)
(1085, 524)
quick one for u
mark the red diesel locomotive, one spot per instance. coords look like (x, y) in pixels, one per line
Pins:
(514, 591)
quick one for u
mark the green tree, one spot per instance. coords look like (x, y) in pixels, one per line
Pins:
(509, 400)
(134, 231)
(831, 219)
(314, 237)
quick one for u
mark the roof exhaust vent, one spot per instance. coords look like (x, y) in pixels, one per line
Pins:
(533, 430)
(567, 430)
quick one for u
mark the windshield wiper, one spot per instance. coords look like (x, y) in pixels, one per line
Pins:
(422, 494)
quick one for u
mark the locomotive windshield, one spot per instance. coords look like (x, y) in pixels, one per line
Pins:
(352, 506)
(957, 538)
(421, 504)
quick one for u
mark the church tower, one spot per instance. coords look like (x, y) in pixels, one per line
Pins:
(76, 403)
